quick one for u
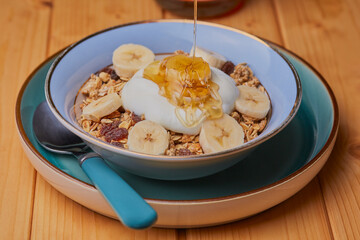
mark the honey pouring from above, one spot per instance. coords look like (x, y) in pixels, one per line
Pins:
(179, 105)
(187, 96)
(183, 98)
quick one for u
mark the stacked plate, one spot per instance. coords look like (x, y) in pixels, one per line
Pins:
(278, 168)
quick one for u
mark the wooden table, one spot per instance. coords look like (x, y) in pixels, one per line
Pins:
(324, 32)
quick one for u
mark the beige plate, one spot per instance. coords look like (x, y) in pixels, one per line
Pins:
(191, 210)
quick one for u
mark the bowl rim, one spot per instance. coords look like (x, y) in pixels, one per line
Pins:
(313, 161)
(172, 159)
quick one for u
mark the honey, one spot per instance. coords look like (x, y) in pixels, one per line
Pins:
(186, 83)
(195, 27)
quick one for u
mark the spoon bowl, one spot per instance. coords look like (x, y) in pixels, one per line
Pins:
(132, 210)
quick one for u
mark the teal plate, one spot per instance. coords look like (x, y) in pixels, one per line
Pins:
(274, 161)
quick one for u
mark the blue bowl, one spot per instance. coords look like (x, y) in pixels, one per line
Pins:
(73, 67)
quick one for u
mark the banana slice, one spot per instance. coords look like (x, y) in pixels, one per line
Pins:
(148, 137)
(213, 59)
(252, 102)
(129, 58)
(102, 107)
(220, 134)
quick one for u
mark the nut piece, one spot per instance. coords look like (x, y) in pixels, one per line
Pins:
(94, 83)
(105, 77)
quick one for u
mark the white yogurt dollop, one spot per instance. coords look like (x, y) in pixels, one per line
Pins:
(141, 96)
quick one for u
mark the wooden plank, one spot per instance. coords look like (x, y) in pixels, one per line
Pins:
(303, 211)
(56, 216)
(300, 217)
(327, 34)
(73, 20)
(24, 26)
(254, 17)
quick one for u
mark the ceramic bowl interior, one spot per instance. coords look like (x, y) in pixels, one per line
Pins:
(72, 68)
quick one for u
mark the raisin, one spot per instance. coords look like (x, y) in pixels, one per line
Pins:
(121, 109)
(135, 118)
(105, 129)
(116, 134)
(118, 144)
(113, 75)
(184, 152)
(108, 127)
(228, 67)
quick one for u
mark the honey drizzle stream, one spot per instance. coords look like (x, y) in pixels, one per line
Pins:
(186, 83)
(195, 27)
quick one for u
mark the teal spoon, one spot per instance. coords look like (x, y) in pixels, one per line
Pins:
(132, 210)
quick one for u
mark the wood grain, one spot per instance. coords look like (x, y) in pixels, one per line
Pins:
(300, 217)
(254, 17)
(24, 27)
(324, 32)
(303, 211)
(327, 35)
(73, 20)
(56, 216)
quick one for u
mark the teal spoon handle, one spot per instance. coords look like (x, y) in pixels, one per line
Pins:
(132, 210)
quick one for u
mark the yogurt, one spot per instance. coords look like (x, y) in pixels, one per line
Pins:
(141, 96)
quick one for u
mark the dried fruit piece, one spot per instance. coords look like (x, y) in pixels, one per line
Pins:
(116, 134)
(228, 67)
(135, 118)
(105, 128)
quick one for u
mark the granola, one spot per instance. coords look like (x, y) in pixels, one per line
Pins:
(114, 128)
